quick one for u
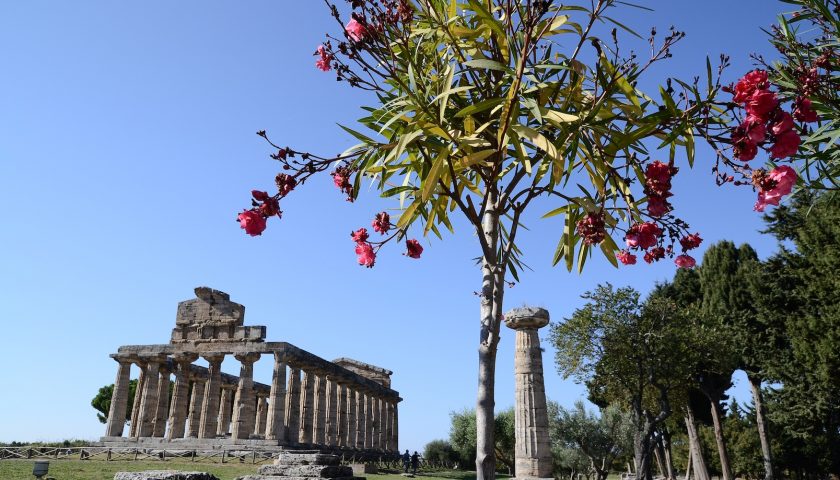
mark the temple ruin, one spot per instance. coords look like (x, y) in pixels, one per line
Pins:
(311, 403)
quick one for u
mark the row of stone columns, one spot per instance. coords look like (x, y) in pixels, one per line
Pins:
(306, 407)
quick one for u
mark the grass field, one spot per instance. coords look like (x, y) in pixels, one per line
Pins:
(101, 470)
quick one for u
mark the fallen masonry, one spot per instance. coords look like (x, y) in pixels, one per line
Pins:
(303, 466)
(164, 475)
(342, 406)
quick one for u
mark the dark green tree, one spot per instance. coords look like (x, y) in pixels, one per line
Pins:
(628, 352)
(102, 401)
(462, 437)
(440, 454)
(601, 438)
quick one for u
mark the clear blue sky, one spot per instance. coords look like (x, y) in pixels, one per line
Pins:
(127, 146)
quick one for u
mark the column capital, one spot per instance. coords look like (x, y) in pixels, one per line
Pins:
(214, 358)
(526, 318)
(247, 358)
(122, 358)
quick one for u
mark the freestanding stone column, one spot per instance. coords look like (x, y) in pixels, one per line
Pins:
(162, 411)
(533, 447)
(244, 405)
(138, 399)
(119, 399)
(196, 401)
(212, 392)
(148, 405)
(293, 406)
(180, 392)
(275, 428)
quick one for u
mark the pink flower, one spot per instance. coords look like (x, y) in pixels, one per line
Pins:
(657, 206)
(755, 129)
(591, 228)
(259, 196)
(625, 257)
(761, 103)
(658, 177)
(654, 254)
(778, 183)
(355, 30)
(685, 261)
(748, 84)
(786, 145)
(689, 242)
(252, 222)
(804, 110)
(413, 247)
(743, 148)
(381, 223)
(323, 63)
(782, 124)
(359, 235)
(341, 179)
(643, 235)
(270, 207)
(285, 183)
(366, 255)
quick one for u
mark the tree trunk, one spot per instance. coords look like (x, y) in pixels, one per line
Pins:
(642, 450)
(688, 465)
(492, 295)
(763, 435)
(725, 468)
(669, 458)
(658, 457)
(700, 470)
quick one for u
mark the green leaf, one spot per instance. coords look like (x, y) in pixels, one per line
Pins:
(408, 214)
(487, 64)
(430, 182)
(475, 157)
(479, 107)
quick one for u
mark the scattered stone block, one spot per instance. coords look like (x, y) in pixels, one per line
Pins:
(363, 468)
(164, 475)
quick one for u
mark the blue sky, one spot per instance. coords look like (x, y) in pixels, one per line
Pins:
(127, 146)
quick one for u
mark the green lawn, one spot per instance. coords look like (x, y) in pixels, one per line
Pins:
(102, 470)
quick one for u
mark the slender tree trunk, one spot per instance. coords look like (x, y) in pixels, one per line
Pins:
(725, 468)
(658, 456)
(700, 470)
(763, 435)
(492, 295)
(642, 450)
(688, 464)
(669, 458)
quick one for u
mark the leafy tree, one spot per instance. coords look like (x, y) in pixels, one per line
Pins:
(483, 109)
(602, 439)
(102, 401)
(440, 453)
(629, 353)
(462, 437)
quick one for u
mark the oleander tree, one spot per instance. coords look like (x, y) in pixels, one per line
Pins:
(786, 113)
(482, 109)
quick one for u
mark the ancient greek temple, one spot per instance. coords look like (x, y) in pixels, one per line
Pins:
(340, 405)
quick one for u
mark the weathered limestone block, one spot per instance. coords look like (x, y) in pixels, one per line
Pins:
(289, 458)
(164, 475)
(277, 477)
(309, 471)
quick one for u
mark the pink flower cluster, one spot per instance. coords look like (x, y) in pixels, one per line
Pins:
(364, 250)
(591, 228)
(341, 178)
(658, 187)
(766, 123)
(325, 58)
(773, 186)
(366, 255)
(253, 221)
(647, 237)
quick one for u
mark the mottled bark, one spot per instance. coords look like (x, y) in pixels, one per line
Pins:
(699, 464)
(726, 469)
(763, 434)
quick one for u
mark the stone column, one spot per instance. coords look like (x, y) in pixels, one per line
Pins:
(364, 421)
(138, 399)
(352, 428)
(262, 414)
(341, 420)
(386, 424)
(319, 429)
(180, 392)
(395, 431)
(212, 392)
(533, 447)
(242, 424)
(293, 407)
(119, 399)
(332, 412)
(307, 407)
(376, 423)
(361, 420)
(225, 410)
(196, 401)
(275, 428)
(162, 411)
(148, 404)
